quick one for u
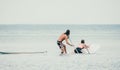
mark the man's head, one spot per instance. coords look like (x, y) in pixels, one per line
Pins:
(67, 32)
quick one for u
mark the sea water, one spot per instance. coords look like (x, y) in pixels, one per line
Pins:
(38, 38)
(43, 37)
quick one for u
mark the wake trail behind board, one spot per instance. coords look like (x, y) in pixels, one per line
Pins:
(92, 48)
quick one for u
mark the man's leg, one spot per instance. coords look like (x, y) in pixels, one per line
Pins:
(65, 49)
(62, 50)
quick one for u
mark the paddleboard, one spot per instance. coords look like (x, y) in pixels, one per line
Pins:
(23, 52)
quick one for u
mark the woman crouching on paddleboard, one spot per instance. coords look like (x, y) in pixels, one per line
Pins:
(64, 36)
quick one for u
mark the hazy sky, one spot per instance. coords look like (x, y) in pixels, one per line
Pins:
(60, 11)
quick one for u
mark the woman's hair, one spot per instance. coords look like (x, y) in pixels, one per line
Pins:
(67, 32)
(82, 41)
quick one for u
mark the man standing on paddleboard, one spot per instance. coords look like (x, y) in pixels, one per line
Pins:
(63, 36)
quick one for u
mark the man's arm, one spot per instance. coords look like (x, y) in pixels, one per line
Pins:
(66, 39)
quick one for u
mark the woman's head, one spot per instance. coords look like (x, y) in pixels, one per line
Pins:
(82, 41)
(67, 32)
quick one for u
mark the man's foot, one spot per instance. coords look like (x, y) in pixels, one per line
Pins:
(61, 52)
